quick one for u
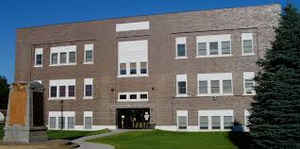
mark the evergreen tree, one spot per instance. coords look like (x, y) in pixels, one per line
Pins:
(4, 91)
(275, 118)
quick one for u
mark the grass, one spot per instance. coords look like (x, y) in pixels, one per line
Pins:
(168, 140)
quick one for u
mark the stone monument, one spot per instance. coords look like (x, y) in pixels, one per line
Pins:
(25, 114)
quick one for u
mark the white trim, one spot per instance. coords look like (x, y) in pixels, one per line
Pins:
(181, 77)
(249, 76)
(247, 36)
(64, 82)
(246, 114)
(213, 38)
(88, 114)
(88, 81)
(38, 51)
(133, 26)
(88, 47)
(57, 115)
(181, 40)
(63, 49)
(210, 113)
(214, 76)
(182, 113)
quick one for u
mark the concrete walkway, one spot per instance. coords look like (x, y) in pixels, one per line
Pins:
(87, 145)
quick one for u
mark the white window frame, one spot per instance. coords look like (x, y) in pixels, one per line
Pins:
(133, 26)
(213, 38)
(63, 49)
(210, 114)
(64, 82)
(138, 99)
(181, 40)
(88, 81)
(249, 76)
(247, 36)
(88, 47)
(246, 115)
(57, 115)
(214, 76)
(181, 77)
(88, 114)
(38, 51)
(182, 113)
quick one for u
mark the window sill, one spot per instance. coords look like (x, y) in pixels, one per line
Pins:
(181, 57)
(88, 62)
(138, 100)
(70, 64)
(88, 97)
(181, 96)
(244, 94)
(213, 56)
(69, 98)
(37, 66)
(212, 95)
(248, 54)
(131, 76)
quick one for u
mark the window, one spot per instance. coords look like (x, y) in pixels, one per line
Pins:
(182, 119)
(216, 122)
(132, 68)
(226, 49)
(62, 89)
(143, 96)
(61, 122)
(228, 122)
(247, 43)
(38, 57)
(72, 57)
(63, 55)
(54, 58)
(70, 122)
(52, 122)
(88, 53)
(133, 96)
(88, 88)
(133, 58)
(181, 85)
(246, 119)
(71, 91)
(203, 87)
(214, 45)
(249, 83)
(227, 87)
(123, 96)
(203, 122)
(181, 47)
(213, 48)
(202, 50)
(88, 119)
(214, 84)
(144, 68)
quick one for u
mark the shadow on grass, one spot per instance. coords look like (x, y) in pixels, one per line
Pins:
(240, 138)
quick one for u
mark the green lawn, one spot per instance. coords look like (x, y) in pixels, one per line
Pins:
(158, 139)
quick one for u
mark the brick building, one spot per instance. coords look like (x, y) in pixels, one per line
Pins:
(180, 71)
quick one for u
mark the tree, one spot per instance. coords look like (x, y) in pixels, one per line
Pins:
(4, 91)
(275, 118)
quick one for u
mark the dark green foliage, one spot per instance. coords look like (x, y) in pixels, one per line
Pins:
(4, 91)
(275, 118)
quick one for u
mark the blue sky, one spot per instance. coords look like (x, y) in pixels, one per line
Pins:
(17, 14)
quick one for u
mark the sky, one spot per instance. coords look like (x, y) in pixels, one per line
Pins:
(26, 13)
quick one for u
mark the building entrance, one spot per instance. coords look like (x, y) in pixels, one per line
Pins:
(133, 118)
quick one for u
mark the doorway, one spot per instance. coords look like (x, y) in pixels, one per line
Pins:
(138, 118)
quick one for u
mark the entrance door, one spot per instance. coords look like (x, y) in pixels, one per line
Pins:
(133, 118)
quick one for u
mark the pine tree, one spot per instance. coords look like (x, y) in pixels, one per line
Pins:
(275, 118)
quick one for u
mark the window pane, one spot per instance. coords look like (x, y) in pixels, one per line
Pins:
(249, 86)
(213, 48)
(181, 87)
(227, 88)
(132, 68)
(228, 122)
(181, 50)
(123, 96)
(72, 57)
(70, 122)
(88, 122)
(247, 46)
(54, 58)
(203, 87)
(143, 96)
(226, 47)
(215, 86)
(61, 122)
(53, 91)
(133, 96)
(216, 122)
(38, 59)
(202, 49)
(52, 123)
(88, 90)
(143, 67)
(123, 69)
(63, 58)
(89, 56)
(182, 122)
(203, 122)
(71, 91)
(62, 91)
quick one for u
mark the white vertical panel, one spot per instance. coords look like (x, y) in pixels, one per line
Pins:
(144, 25)
(181, 77)
(247, 36)
(133, 51)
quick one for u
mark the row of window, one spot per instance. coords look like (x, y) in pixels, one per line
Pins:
(133, 96)
(214, 45)
(66, 120)
(64, 55)
(65, 89)
(214, 84)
